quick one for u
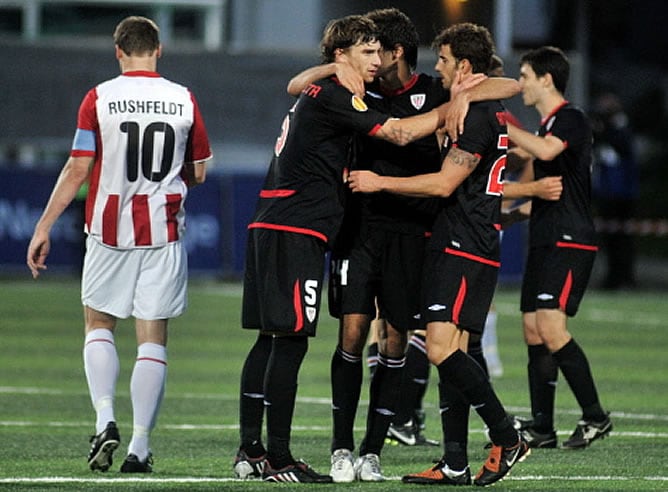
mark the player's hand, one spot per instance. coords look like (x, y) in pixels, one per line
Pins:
(363, 182)
(38, 250)
(454, 114)
(459, 102)
(350, 78)
(462, 83)
(549, 188)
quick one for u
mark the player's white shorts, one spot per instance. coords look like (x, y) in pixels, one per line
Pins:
(147, 283)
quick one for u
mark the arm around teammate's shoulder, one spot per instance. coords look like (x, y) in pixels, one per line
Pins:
(402, 131)
(544, 148)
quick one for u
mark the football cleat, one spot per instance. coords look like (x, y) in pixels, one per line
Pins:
(440, 474)
(297, 472)
(500, 461)
(586, 432)
(133, 464)
(403, 433)
(520, 423)
(102, 448)
(537, 439)
(367, 468)
(408, 434)
(343, 466)
(246, 467)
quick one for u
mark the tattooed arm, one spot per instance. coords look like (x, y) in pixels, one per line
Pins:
(456, 167)
(402, 131)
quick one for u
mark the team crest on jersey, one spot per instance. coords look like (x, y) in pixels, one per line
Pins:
(359, 104)
(418, 100)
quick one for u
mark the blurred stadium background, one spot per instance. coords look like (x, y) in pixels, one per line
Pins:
(237, 56)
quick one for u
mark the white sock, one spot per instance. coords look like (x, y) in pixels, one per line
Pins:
(147, 387)
(101, 366)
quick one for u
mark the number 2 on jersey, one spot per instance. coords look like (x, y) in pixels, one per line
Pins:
(495, 179)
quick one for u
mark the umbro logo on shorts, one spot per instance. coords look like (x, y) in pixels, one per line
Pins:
(545, 297)
(437, 307)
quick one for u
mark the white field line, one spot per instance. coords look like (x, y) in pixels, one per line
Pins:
(296, 428)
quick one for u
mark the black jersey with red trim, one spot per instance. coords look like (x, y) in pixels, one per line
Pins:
(469, 223)
(570, 217)
(304, 188)
(420, 95)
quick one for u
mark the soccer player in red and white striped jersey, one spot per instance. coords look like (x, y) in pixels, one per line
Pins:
(141, 143)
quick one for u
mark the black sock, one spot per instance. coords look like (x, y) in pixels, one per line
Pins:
(469, 378)
(372, 357)
(421, 368)
(475, 351)
(455, 410)
(383, 395)
(575, 368)
(543, 372)
(251, 399)
(346, 380)
(280, 392)
(414, 380)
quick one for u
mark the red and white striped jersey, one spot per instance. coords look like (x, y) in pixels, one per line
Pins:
(141, 128)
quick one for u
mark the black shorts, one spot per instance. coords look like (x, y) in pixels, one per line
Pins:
(556, 277)
(458, 290)
(382, 266)
(282, 282)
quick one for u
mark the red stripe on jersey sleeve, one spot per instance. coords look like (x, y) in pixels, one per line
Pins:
(375, 130)
(276, 193)
(82, 153)
(141, 220)
(172, 208)
(110, 221)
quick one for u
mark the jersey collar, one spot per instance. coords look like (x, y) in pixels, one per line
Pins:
(554, 111)
(140, 73)
(407, 86)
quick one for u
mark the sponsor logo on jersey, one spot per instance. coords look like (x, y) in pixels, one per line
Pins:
(418, 100)
(359, 104)
(545, 297)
